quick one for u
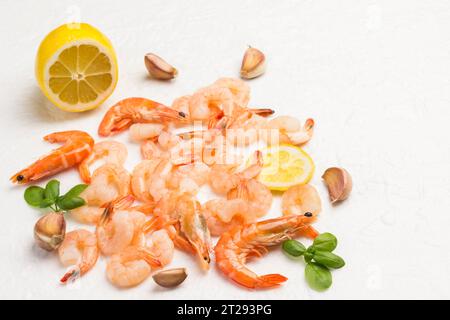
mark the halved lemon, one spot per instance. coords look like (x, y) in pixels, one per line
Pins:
(285, 166)
(76, 67)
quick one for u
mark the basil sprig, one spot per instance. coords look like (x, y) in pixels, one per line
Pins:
(319, 259)
(49, 197)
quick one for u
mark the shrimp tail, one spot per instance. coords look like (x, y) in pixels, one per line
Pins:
(70, 275)
(270, 281)
(263, 112)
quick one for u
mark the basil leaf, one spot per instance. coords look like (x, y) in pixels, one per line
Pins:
(328, 259)
(65, 203)
(34, 195)
(45, 203)
(318, 277)
(308, 256)
(325, 242)
(293, 248)
(75, 191)
(52, 190)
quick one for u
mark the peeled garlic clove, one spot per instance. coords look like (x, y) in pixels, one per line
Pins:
(49, 231)
(339, 183)
(253, 64)
(170, 278)
(158, 68)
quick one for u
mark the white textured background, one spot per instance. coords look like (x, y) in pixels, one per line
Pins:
(375, 75)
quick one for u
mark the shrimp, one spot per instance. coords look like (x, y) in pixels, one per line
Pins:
(161, 246)
(108, 183)
(246, 129)
(300, 199)
(235, 246)
(131, 266)
(143, 131)
(136, 110)
(184, 213)
(208, 102)
(291, 131)
(119, 228)
(189, 178)
(79, 249)
(181, 104)
(77, 146)
(223, 215)
(238, 88)
(151, 150)
(110, 151)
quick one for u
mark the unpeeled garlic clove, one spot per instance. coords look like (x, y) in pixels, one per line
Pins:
(158, 68)
(170, 278)
(253, 63)
(339, 183)
(49, 231)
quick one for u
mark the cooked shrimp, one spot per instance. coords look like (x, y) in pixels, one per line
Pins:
(144, 131)
(183, 212)
(223, 215)
(141, 179)
(234, 247)
(77, 146)
(181, 104)
(207, 102)
(238, 88)
(291, 130)
(151, 150)
(189, 178)
(119, 228)
(131, 266)
(300, 199)
(246, 129)
(136, 110)
(79, 250)
(108, 183)
(108, 151)
(161, 246)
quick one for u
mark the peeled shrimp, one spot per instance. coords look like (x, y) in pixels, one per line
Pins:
(208, 102)
(189, 178)
(246, 129)
(108, 183)
(300, 199)
(238, 88)
(234, 247)
(79, 249)
(119, 228)
(136, 110)
(291, 130)
(223, 215)
(144, 131)
(161, 246)
(77, 146)
(131, 266)
(109, 151)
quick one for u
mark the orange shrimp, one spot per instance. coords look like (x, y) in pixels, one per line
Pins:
(234, 247)
(136, 110)
(77, 146)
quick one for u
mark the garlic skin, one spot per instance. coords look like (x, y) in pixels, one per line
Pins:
(253, 64)
(339, 183)
(49, 231)
(170, 278)
(158, 68)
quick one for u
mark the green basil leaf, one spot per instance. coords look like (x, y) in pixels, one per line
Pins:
(34, 195)
(318, 277)
(75, 191)
(293, 248)
(328, 259)
(325, 242)
(45, 203)
(52, 190)
(65, 203)
(308, 256)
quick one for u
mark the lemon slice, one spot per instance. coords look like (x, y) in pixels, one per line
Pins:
(285, 166)
(76, 67)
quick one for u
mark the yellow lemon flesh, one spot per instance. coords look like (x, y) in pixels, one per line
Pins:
(285, 166)
(76, 67)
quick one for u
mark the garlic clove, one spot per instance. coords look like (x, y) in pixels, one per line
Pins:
(339, 183)
(170, 278)
(49, 231)
(158, 68)
(253, 63)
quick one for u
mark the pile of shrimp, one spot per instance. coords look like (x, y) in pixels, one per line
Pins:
(140, 217)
